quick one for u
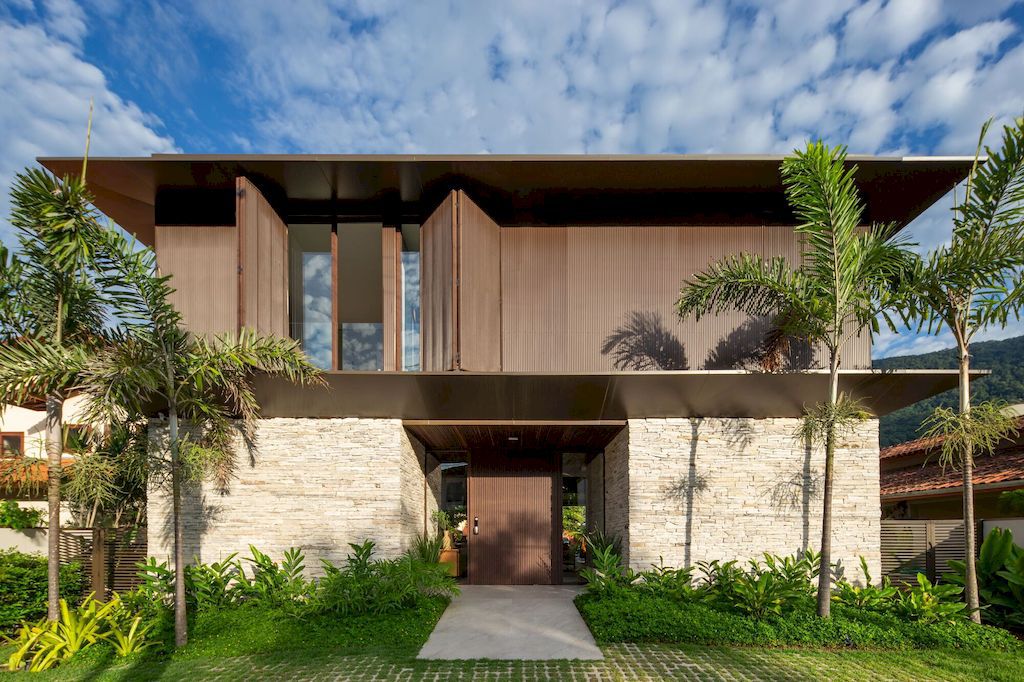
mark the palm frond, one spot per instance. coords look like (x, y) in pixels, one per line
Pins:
(966, 434)
(745, 282)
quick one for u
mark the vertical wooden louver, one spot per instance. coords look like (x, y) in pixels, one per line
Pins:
(263, 262)
(203, 263)
(461, 288)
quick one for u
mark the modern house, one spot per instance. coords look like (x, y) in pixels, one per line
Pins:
(916, 485)
(507, 322)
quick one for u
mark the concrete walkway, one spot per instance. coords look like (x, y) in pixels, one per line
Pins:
(512, 622)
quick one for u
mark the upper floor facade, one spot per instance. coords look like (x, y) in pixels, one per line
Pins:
(478, 263)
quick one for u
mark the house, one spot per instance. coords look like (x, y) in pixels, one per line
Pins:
(23, 469)
(915, 484)
(509, 319)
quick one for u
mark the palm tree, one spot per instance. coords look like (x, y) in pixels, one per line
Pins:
(207, 383)
(843, 283)
(965, 286)
(52, 316)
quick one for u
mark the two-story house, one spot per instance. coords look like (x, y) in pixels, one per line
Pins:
(499, 331)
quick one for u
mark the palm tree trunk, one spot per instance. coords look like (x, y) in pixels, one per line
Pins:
(180, 615)
(54, 450)
(825, 572)
(970, 569)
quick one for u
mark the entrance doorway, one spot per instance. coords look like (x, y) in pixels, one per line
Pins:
(529, 490)
(513, 535)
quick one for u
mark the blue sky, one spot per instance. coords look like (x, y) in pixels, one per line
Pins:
(580, 76)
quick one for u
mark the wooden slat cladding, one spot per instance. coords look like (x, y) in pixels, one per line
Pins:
(263, 259)
(478, 278)
(391, 253)
(916, 546)
(203, 262)
(515, 502)
(602, 298)
(437, 288)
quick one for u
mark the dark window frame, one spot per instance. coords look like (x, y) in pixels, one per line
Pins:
(6, 434)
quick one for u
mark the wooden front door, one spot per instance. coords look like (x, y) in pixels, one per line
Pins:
(514, 525)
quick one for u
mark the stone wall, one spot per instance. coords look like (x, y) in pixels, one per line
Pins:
(317, 484)
(595, 493)
(706, 489)
(617, 490)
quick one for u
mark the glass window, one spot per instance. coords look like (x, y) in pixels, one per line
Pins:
(309, 281)
(410, 298)
(361, 295)
(12, 444)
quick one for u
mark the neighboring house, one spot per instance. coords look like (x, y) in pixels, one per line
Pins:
(915, 485)
(512, 313)
(23, 435)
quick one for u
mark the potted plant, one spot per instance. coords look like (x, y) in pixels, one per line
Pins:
(449, 553)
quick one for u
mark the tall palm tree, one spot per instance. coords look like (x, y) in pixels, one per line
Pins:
(207, 383)
(52, 316)
(842, 284)
(974, 282)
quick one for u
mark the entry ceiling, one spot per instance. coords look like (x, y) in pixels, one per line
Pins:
(515, 437)
(510, 397)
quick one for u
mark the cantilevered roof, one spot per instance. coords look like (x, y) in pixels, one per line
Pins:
(593, 397)
(516, 189)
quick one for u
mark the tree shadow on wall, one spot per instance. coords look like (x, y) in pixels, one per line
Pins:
(756, 346)
(794, 493)
(643, 343)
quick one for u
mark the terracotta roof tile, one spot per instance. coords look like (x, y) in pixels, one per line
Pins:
(998, 468)
(921, 446)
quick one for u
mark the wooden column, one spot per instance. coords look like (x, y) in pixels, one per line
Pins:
(98, 579)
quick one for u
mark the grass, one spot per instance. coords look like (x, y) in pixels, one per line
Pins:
(259, 644)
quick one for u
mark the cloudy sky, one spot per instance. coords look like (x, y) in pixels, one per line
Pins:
(578, 76)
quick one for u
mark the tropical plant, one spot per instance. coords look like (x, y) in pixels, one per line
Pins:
(427, 548)
(758, 594)
(676, 583)
(207, 382)
(867, 596)
(930, 603)
(53, 316)
(47, 643)
(130, 639)
(966, 286)
(845, 281)
(606, 572)
(275, 583)
(1000, 567)
(18, 518)
(209, 586)
(1011, 502)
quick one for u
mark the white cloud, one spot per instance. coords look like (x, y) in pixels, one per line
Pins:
(45, 86)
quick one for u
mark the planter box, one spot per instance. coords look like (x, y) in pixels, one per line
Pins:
(450, 558)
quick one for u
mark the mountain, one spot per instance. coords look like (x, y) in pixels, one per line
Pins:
(1005, 358)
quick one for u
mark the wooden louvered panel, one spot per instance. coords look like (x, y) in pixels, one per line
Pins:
(478, 278)
(203, 263)
(437, 289)
(263, 257)
(124, 550)
(514, 501)
(920, 546)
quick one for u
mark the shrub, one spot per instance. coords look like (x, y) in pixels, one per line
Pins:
(930, 603)
(364, 585)
(13, 516)
(636, 616)
(23, 587)
(871, 597)
(1000, 569)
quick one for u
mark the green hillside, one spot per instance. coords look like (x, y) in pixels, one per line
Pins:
(1005, 358)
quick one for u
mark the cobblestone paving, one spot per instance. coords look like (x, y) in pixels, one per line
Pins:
(622, 662)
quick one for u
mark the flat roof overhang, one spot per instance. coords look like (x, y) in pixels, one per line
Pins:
(606, 398)
(513, 189)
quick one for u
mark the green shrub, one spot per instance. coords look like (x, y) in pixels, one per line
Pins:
(869, 596)
(930, 603)
(13, 516)
(1000, 568)
(364, 586)
(23, 587)
(637, 616)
